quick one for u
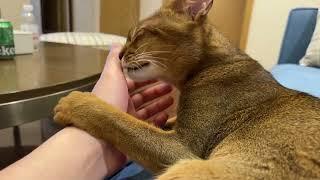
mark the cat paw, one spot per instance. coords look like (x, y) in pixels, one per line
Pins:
(65, 113)
(84, 111)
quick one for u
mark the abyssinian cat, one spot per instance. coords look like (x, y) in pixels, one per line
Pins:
(234, 121)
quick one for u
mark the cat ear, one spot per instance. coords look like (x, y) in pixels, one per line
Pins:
(196, 9)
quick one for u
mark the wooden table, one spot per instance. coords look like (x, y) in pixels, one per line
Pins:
(31, 85)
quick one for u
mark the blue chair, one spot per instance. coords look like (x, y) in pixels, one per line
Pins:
(299, 31)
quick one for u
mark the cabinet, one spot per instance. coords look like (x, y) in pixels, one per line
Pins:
(118, 16)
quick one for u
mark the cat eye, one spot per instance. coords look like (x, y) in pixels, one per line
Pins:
(138, 34)
(156, 31)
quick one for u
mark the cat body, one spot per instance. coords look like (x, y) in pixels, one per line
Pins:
(268, 133)
(234, 121)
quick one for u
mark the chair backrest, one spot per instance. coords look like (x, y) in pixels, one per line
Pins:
(300, 28)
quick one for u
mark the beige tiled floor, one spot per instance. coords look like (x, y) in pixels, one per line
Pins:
(30, 135)
(30, 139)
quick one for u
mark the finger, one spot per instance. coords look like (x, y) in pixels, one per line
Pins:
(151, 94)
(115, 51)
(160, 119)
(113, 69)
(132, 86)
(155, 108)
(142, 84)
(113, 61)
(131, 109)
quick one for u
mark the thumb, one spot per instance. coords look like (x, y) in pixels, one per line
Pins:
(113, 57)
(112, 85)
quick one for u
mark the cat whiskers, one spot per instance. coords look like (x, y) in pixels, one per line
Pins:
(135, 64)
(127, 59)
(151, 54)
(151, 61)
(154, 52)
(145, 57)
(149, 57)
(143, 45)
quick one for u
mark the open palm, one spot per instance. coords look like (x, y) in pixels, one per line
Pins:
(149, 100)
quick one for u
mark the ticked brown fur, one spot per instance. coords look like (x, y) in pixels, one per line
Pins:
(234, 120)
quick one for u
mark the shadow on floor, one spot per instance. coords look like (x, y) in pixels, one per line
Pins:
(9, 155)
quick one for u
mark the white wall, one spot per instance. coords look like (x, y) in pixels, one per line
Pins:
(86, 15)
(269, 19)
(11, 10)
(147, 7)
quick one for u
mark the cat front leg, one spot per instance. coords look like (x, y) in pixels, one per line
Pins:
(154, 148)
(222, 168)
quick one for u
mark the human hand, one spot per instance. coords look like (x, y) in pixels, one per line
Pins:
(150, 103)
(114, 89)
(112, 85)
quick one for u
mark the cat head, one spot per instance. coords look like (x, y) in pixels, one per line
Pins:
(169, 44)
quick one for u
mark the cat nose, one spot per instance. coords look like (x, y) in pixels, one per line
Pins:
(121, 54)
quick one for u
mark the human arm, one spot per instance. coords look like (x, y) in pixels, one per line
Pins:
(70, 154)
(74, 154)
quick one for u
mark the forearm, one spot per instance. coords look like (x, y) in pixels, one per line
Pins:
(70, 154)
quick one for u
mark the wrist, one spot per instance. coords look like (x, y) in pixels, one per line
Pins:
(70, 154)
(85, 152)
(94, 150)
(78, 137)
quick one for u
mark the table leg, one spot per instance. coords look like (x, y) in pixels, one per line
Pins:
(17, 139)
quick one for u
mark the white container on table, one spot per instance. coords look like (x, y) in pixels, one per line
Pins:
(23, 42)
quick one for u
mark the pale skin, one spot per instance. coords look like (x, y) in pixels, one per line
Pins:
(74, 154)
